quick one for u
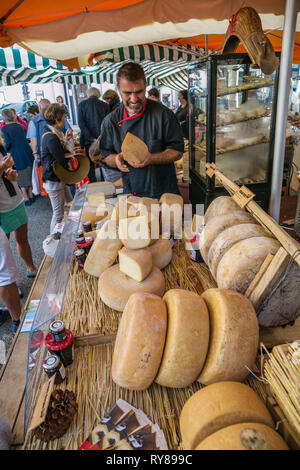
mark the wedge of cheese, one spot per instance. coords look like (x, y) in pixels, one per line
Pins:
(216, 225)
(242, 261)
(104, 250)
(219, 206)
(115, 287)
(135, 232)
(95, 214)
(96, 200)
(137, 264)
(171, 206)
(187, 339)
(134, 149)
(234, 336)
(228, 238)
(244, 436)
(124, 209)
(161, 252)
(139, 342)
(219, 405)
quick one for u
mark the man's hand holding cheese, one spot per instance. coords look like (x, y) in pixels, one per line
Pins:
(151, 122)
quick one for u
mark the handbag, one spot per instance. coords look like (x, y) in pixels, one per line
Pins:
(35, 179)
(39, 171)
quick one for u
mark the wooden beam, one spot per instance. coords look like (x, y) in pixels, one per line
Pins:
(259, 275)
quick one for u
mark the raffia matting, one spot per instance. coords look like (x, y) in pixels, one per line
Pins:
(89, 377)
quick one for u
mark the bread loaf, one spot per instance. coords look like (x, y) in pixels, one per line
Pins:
(234, 336)
(115, 287)
(244, 436)
(161, 252)
(219, 405)
(242, 261)
(187, 339)
(137, 264)
(140, 341)
(219, 206)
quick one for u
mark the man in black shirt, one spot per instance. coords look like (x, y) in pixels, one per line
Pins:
(153, 123)
(91, 113)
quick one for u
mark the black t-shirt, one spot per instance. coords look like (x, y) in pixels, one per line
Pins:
(158, 127)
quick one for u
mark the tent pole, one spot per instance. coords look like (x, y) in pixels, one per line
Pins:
(290, 18)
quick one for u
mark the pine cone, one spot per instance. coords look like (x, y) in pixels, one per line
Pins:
(60, 413)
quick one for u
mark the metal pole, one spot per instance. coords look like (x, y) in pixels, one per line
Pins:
(290, 18)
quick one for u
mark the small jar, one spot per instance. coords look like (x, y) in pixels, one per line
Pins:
(88, 244)
(87, 226)
(63, 349)
(58, 330)
(80, 233)
(80, 240)
(80, 257)
(53, 365)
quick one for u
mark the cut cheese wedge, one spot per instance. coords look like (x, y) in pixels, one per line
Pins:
(216, 225)
(187, 339)
(96, 200)
(134, 149)
(242, 261)
(124, 209)
(219, 405)
(104, 251)
(228, 238)
(171, 206)
(220, 206)
(139, 342)
(161, 252)
(95, 214)
(244, 436)
(234, 336)
(137, 264)
(115, 287)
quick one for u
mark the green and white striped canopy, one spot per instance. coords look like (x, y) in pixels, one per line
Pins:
(162, 66)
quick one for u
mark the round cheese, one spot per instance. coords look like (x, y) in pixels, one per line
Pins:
(137, 264)
(216, 225)
(187, 339)
(115, 287)
(228, 238)
(161, 252)
(220, 206)
(140, 341)
(242, 261)
(104, 250)
(219, 405)
(234, 336)
(244, 436)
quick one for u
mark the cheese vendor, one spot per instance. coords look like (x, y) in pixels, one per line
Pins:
(155, 125)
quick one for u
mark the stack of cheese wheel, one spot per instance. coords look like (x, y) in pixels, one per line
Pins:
(228, 416)
(142, 257)
(233, 245)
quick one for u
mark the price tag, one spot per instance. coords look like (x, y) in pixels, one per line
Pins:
(42, 404)
(243, 196)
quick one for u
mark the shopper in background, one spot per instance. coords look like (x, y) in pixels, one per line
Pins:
(13, 216)
(32, 111)
(91, 113)
(153, 94)
(17, 119)
(53, 149)
(36, 129)
(182, 113)
(60, 101)
(111, 98)
(15, 143)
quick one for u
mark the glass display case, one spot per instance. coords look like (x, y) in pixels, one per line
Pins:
(232, 122)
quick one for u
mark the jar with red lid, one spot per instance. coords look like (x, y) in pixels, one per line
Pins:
(64, 349)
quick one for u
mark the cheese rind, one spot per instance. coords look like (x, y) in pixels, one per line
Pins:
(137, 264)
(171, 206)
(219, 405)
(134, 149)
(228, 238)
(139, 342)
(115, 287)
(244, 436)
(104, 250)
(216, 225)
(234, 336)
(242, 261)
(135, 232)
(219, 206)
(161, 252)
(187, 339)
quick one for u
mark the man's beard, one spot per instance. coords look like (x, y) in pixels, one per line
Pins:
(136, 108)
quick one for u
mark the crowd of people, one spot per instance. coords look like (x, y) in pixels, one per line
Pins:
(48, 138)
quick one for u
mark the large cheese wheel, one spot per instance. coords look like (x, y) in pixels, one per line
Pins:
(124, 209)
(95, 214)
(187, 339)
(140, 341)
(115, 287)
(161, 252)
(219, 405)
(234, 336)
(220, 206)
(147, 205)
(216, 225)
(104, 250)
(171, 214)
(137, 264)
(242, 261)
(228, 238)
(244, 436)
